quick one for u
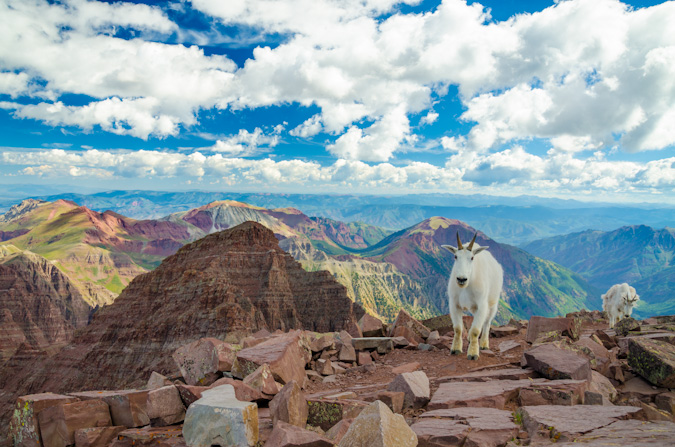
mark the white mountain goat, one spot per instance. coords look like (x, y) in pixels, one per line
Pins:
(475, 285)
(618, 302)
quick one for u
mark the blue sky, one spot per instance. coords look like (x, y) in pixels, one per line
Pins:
(572, 98)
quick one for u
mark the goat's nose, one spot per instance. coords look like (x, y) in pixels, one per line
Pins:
(461, 280)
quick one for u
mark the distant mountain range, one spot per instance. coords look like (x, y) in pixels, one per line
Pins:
(640, 255)
(383, 271)
(512, 220)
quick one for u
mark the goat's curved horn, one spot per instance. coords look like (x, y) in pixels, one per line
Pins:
(459, 242)
(472, 241)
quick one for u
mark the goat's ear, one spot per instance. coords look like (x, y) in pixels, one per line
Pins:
(450, 247)
(477, 250)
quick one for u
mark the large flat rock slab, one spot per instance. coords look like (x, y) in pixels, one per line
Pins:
(383, 345)
(555, 363)
(24, 428)
(485, 376)
(627, 433)
(537, 326)
(486, 427)
(127, 407)
(568, 423)
(493, 394)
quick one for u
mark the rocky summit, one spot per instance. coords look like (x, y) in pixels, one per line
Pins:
(228, 282)
(290, 389)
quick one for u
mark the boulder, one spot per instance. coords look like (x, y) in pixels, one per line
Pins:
(127, 407)
(553, 392)
(393, 399)
(325, 413)
(287, 435)
(199, 362)
(189, 394)
(555, 363)
(377, 426)
(485, 427)
(290, 406)
(364, 358)
(606, 340)
(165, 406)
(157, 380)
(24, 428)
(666, 402)
(262, 380)
(415, 385)
(442, 324)
(59, 423)
(599, 357)
(339, 430)
(218, 418)
(347, 353)
(324, 367)
(404, 319)
(638, 389)
(371, 326)
(242, 391)
(320, 342)
(626, 325)
(383, 345)
(97, 436)
(566, 423)
(400, 342)
(569, 327)
(601, 385)
(407, 333)
(654, 360)
(285, 354)
(434, 338)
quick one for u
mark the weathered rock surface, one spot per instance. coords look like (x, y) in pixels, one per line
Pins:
(325, 413)
(377, 426)
(403, 319)
(654, 360)
(218, 418)
(97, 436)
(371, 326)
(555, 363)
(493, 394)
(198, 361)
(165, 406)
(627, 433)
(383, 345)
(566, 423)
(485, 427)
(537, 326)
(415, 386)
(150, 436)
(626, 325)
(24, 428)
(285, 354)
(262, 380)
(127, 407)
(495, 374)
(290, 406)
(287, 435)
(58, 423)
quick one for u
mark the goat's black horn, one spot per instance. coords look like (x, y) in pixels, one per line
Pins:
(459, 242)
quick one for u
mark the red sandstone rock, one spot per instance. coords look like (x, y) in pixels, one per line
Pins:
(287, 435)
(403, 319)
(242, 391)
(405, 368)
(408, 334)
(364, 358)
(539, 325)
(24, 429)
(393, 399)
(555, 363)
(127, 407)
(415, 385)
(495, 374)
(347, 353)
(290, 405)
(484, 427)
(339, 430)
(151, 436)
(189, 393)
(262, 380)
(554, 392)
(97, 436)
(199, 361)
(494, 394)
(58, 423)
(325, 413)
(284, 354)
(157, 380)
(165, 406)
(503, 331)
(371, 326)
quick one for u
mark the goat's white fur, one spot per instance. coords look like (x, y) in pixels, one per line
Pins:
(618, 302)
(479, 294)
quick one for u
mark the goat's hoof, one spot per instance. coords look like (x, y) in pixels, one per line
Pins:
(484, 348)
(472, 357)
(455, 352)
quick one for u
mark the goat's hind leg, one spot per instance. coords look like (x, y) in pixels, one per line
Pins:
(458, 327)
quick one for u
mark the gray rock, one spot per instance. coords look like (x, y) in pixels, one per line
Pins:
(415, 385)
(218, 418)
(654, 360)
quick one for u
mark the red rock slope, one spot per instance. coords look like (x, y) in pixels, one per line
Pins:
(237, 279)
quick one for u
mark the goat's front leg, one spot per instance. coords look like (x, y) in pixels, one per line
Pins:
(458, 327)
(485, 332)
(478, 321)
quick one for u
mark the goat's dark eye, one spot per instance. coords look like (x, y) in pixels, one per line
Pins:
(455, 256)
(472, 258)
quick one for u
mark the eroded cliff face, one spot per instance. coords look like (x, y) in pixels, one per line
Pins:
(39, 305)
(235, 280)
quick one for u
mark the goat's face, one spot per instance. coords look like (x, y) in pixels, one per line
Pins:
(464, 257)
(629, 301)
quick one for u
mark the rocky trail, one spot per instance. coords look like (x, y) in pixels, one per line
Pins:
(547, 381)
